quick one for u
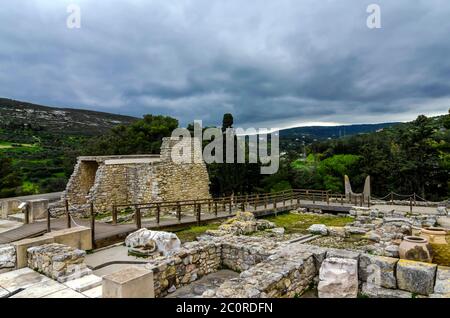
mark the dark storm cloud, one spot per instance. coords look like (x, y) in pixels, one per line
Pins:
(270, 63)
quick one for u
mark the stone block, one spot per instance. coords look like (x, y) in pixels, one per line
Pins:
(132, 282)
(84, 283)
(339, 253)
(338, 278)
(77, 237)
(58, 261)
(65, 293)
(378, 270)
(40, 290)
(442, 285)
(23, 245)
(7, 256)
(416, 277)
(38, 209)
(21, 278)
(8, 207)
(375, 291)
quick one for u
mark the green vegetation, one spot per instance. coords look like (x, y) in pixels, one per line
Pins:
(39, 156)
(299, 223)
(405, 158)
(191, 233)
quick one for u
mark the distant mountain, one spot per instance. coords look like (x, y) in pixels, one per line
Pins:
(62, 121)
(324, 132)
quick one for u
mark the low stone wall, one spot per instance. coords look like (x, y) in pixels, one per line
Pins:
(239, 253)
(196, 259)
(191, 262)
(286, 273)
(58, 261)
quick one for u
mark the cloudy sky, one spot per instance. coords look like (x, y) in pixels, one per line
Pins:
(271, 63)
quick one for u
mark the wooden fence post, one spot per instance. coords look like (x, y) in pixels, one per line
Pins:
(199, 212)
(215, 208)
(92, 225)
(179, 211)
(158, 213)
(69, 223)
(114, 215)
(231, 205)
(138, 218)
(27, 214)
(49, 227)
(410, 205)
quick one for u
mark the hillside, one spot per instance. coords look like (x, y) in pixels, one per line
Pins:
(325, 132)
(292, 139)
(39, 144)
(17, 115)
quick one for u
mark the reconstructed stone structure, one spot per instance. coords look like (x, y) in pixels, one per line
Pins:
(108, 180)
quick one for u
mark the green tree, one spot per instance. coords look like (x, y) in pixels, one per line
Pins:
(141, 137)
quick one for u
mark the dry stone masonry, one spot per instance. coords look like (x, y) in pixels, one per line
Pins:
(58, 261)
(105, 180)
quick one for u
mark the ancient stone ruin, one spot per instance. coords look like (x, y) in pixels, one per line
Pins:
(108, 180)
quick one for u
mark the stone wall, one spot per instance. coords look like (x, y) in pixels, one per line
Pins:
(58, 261)
(190, 263)
(109, 180)
(387, 277)
(288, 272)
(199, 258)
(283, 269)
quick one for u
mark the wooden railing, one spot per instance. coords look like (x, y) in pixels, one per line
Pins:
(224, 205)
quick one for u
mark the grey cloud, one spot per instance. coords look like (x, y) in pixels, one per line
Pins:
(270, 63)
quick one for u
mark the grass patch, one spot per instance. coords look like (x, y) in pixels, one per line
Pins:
(191, 233)
(299, 223)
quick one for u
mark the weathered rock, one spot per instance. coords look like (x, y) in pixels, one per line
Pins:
(442, 210)
(378, 270)
(391, 251)
(375, 291)
(163, 242)
(318, 229)
(264, 225)
(338, 231)
(319, 253)
(374, 237)
(242, 224)
(7, 256)
(277, 230)
(340, 253)
(355, 230)
(338, 278)
(58, 261)
(442, 285)
(416, 277)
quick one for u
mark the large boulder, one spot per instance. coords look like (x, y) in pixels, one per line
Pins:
(378, 270)
(318, 229)
(416, 277)
(338, 278)
(153, 241)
